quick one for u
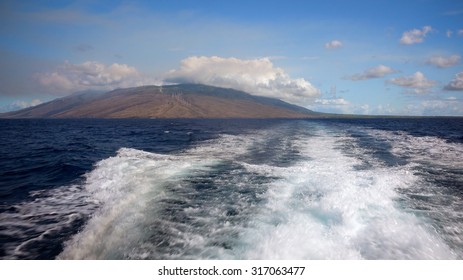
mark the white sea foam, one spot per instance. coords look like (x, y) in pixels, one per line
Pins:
(437, 194)
(318, 207)
(326, 209)
(126, 186)
(424, 149)
(131, 188)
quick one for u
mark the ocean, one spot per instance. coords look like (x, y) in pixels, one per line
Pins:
(381, 188)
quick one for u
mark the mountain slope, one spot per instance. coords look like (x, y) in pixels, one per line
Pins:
(175, 101)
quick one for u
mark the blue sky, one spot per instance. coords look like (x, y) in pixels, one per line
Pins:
(366, 57)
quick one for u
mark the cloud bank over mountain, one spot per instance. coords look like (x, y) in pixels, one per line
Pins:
(88, 75)
(256, 76)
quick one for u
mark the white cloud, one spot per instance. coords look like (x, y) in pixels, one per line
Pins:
(418, 83)
(375, 72)
(333, 44)
(256, 76)
(91, 75)
(343, 106)
(415, 36)
(334, 105)
(449, 33)
(385, 109)
(330, 102)
(457, 83)
(449, 107)
(444, 62)
(460, 32)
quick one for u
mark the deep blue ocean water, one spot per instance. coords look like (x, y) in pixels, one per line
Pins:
(232, 189)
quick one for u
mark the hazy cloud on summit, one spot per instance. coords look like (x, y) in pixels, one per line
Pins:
(256, 76)
(70, 77)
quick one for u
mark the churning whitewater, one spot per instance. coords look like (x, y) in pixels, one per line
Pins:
(304, 192)
(296, 189)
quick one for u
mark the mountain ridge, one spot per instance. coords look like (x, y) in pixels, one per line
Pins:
(168, 101)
